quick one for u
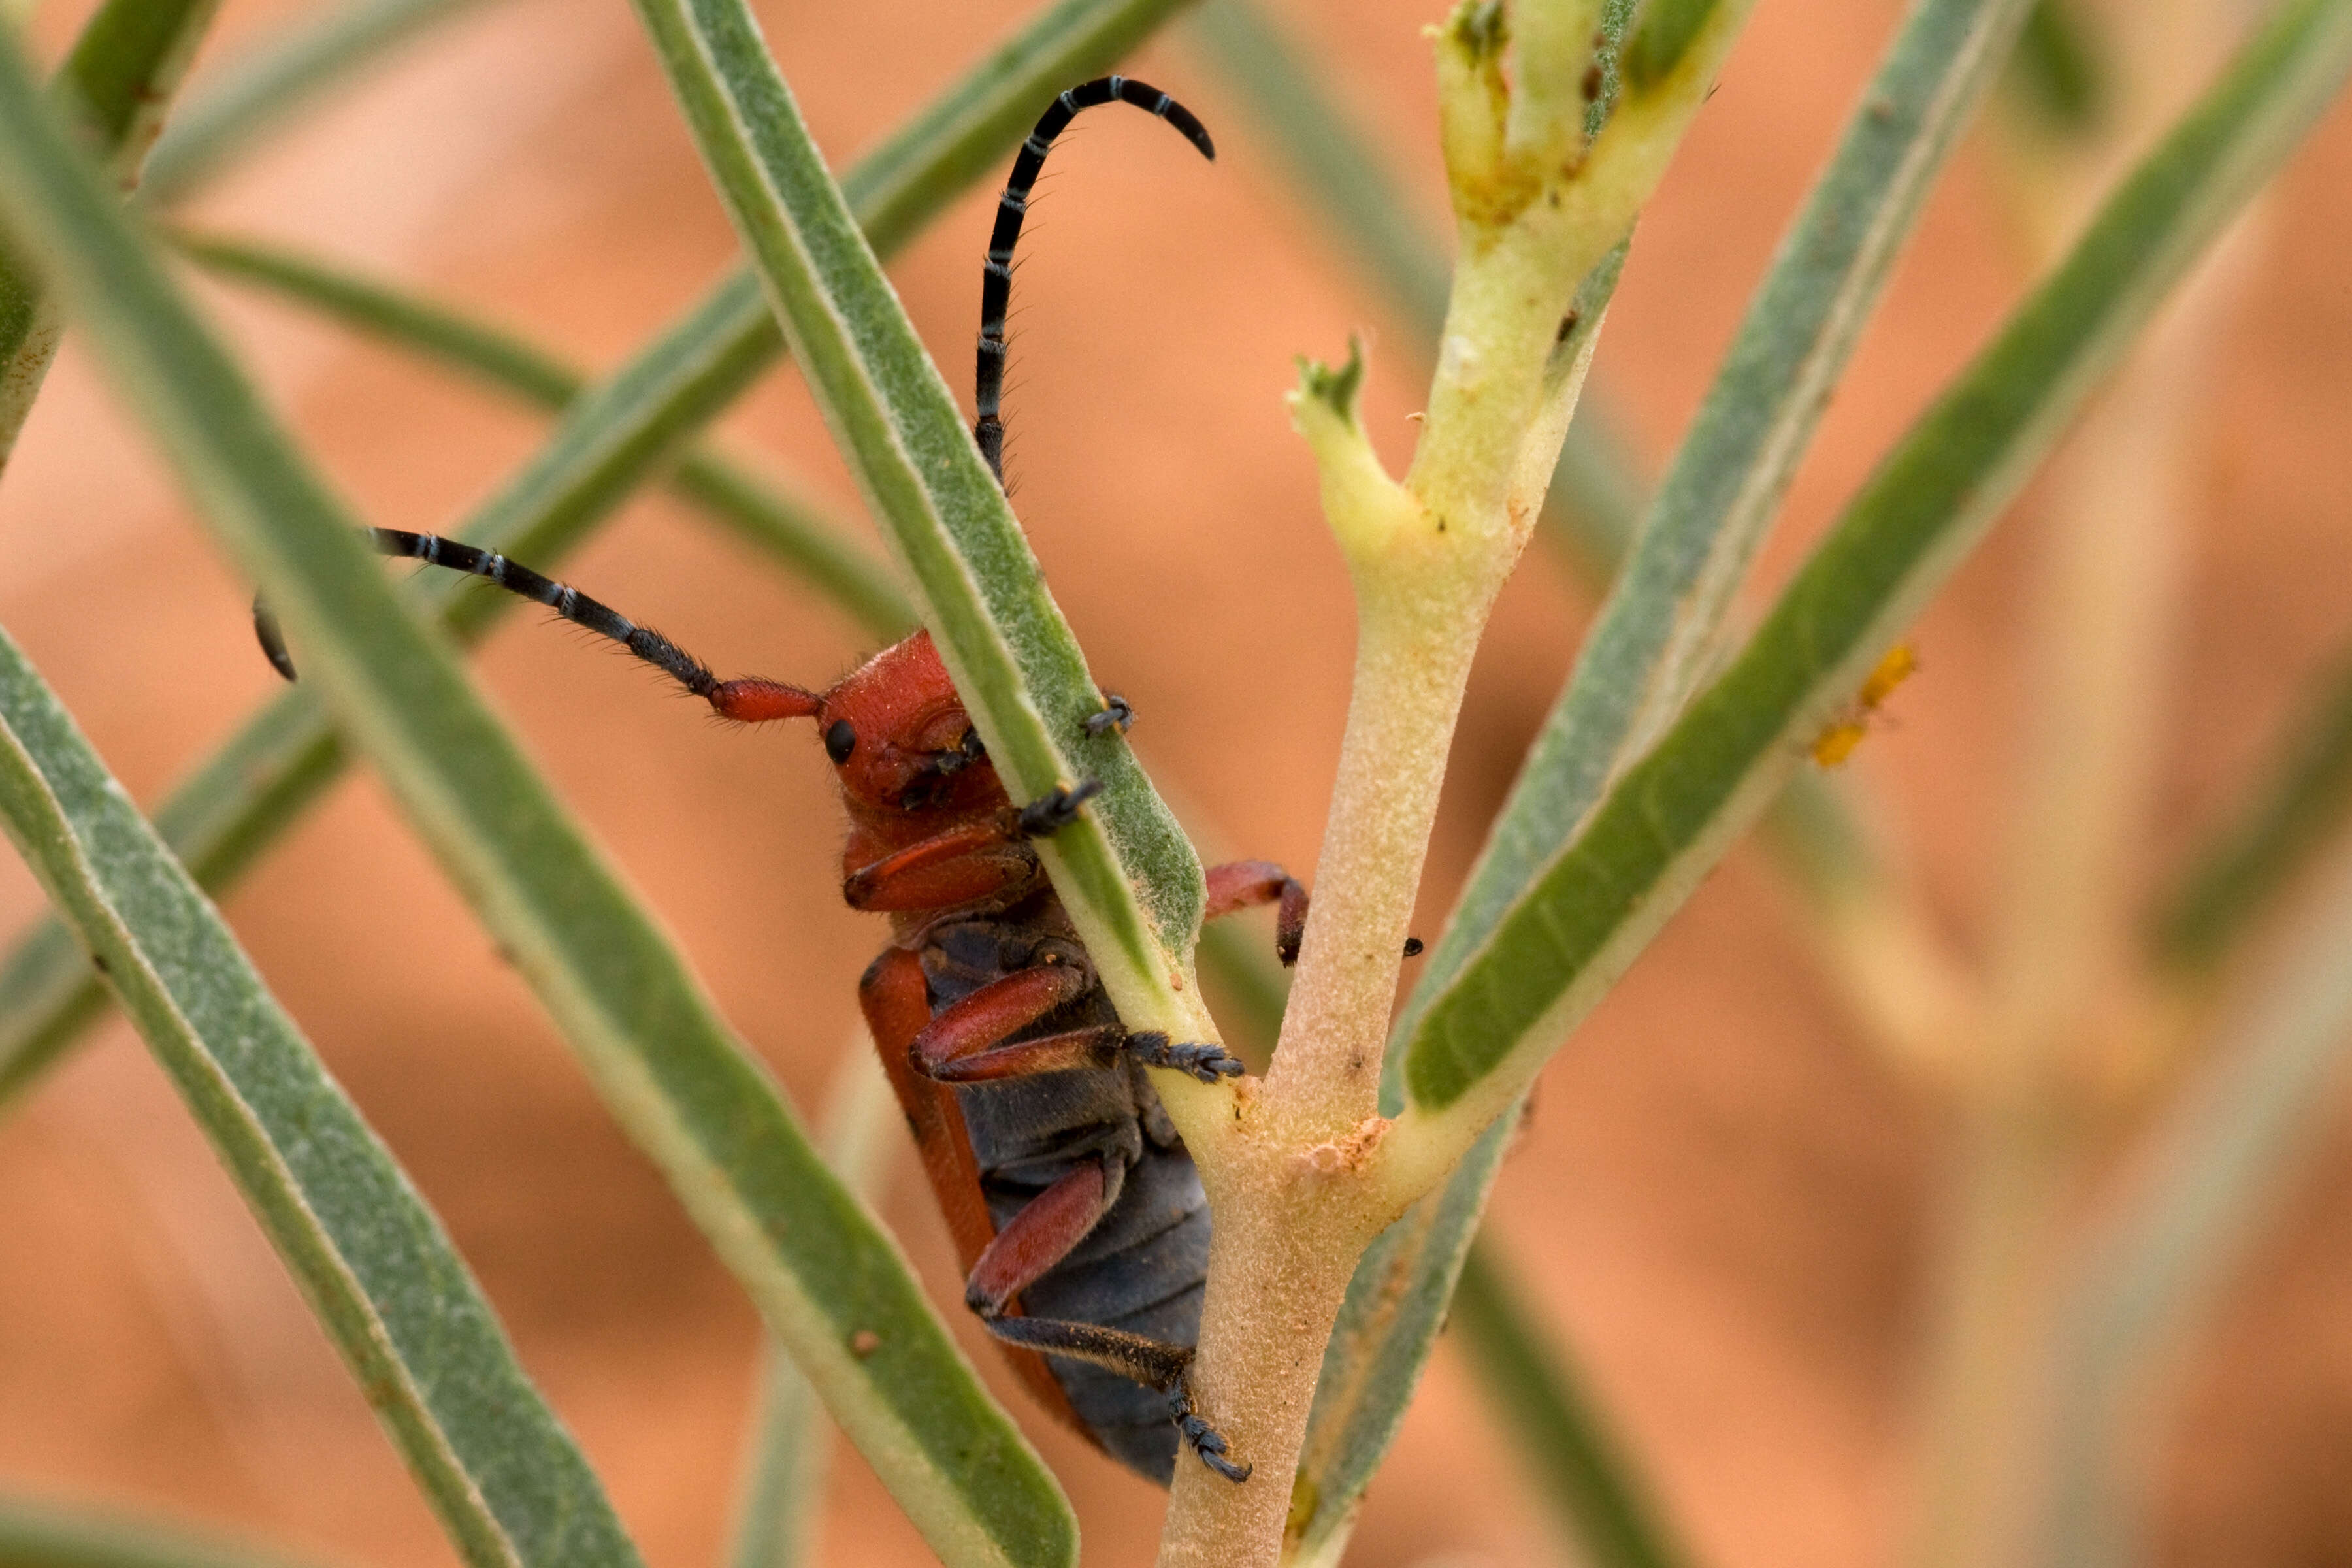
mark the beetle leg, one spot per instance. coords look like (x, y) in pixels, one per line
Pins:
(1040, 1236)
(1246, 884)
(963, 1043)
(1054, 810)
(961, 865)
(1207, 1063)
(1087, 1048)
(1116, 714)
(1164, 1367)
(964, 865)
(1199, 1436)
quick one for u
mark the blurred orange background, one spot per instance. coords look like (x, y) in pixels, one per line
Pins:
(1724, 1203)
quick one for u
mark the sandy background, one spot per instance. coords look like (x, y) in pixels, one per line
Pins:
(1726, 1200)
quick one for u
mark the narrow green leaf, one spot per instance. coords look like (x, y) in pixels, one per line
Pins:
(611, 440)
(240, 800)
(44, 1533)
(125, 68)
(2055, 72)
(382, 1275)
(764, 513)
(1588, 908)
(216, 823)
(2205, 1176)
(118, 80)
(828, 1280)
(491, 355)
(1015, 663)
(1558, 1432)
(776, 1524)
(253, 95)
(2293, 816)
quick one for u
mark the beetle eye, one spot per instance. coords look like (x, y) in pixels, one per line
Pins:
(840, 739)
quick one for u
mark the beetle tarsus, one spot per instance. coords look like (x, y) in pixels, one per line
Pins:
(1244, 884)
(1048, 815)
(1117, 713)
(1202, 1438)
(1209, 1063)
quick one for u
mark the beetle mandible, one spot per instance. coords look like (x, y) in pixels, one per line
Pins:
(1080, 1218)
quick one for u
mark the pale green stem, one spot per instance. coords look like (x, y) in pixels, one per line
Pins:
(2062, 951)
(1296, 1187)
(1429, 557)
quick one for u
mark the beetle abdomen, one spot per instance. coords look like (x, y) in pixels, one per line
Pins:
(1141, 1269)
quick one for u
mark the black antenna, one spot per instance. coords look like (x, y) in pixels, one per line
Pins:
(996, 277)
(749, 699)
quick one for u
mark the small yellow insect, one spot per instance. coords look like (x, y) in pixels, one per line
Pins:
(1837, 742)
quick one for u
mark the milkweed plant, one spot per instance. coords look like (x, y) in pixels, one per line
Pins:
(1347, 1177)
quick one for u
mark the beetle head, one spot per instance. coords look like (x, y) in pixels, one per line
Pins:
(899, 735)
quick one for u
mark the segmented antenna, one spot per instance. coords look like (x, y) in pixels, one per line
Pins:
(750, 700)
(996, 277)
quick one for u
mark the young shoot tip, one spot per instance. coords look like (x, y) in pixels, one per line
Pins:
(1335, 389)
(1480, 29)
(1364, 505)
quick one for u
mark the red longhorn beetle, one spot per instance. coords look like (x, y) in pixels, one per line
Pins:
(1084, 1231)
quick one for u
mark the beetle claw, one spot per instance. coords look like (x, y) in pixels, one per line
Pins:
(1209, 1063)
(1202, 1438)
(1051, 813)
(1117, 713)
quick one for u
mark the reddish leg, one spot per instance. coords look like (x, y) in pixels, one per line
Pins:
(1038, 1237)
(963, 1043)
(961, 866)
(1246, 884)
(1042, 1233)
(967, 864)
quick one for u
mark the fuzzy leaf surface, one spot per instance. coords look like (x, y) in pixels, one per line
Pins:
(612, 439)
(379, 1270)
(1124, 869)
(824, 1276)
